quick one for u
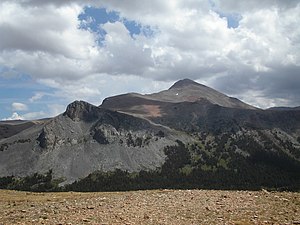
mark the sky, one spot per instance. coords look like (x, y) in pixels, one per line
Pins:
(55, 52)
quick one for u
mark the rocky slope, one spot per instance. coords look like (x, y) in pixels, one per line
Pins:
(153, 105)
(187, 136)
(82, 140)
(10, 128)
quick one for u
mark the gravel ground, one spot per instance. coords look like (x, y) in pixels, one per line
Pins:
(150, 207)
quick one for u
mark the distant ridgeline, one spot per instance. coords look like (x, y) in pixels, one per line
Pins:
(189, 136)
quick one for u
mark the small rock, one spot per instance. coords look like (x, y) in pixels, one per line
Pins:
(44, 217)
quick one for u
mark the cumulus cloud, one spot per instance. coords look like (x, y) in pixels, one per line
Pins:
(259, 57)
(50, 46)
(52, 110)
(17, 106)
(14, 116)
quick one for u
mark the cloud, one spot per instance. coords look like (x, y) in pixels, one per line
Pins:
(14, 116)
(37, 96)
(17, 106)
(260, 56)
(50, 46)
(246, 6)
(34, 115)
(53, 110)
(96, 88)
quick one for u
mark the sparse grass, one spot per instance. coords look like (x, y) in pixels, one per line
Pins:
(150, 207)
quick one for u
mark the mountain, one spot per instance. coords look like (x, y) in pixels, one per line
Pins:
(152, 105)
(187, 136)
(284, 108)
(84, 139)
(10, 128)
(190, 106)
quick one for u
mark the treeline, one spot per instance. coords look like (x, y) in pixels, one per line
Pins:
(187, 167)
(182, 171)
(36, 182)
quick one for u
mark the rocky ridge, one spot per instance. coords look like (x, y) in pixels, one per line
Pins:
(84, 139)
(188, 132)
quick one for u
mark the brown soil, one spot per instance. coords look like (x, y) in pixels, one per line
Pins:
(150, 207)
(152, 110)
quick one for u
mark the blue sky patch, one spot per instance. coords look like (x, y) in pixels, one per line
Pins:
(92, 19)
(233, 19)
(20, 89)
(132, 26)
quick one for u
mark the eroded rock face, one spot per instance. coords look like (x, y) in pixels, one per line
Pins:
(100, 137)
(80, 110)
(42, 139)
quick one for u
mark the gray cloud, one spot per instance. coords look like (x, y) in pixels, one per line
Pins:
(277, 87)
(283, 82)
(243, 6)
(257, 61)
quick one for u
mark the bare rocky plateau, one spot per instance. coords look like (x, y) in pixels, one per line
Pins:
(150, 207)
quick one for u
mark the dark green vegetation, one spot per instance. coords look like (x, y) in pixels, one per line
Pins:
(212, 163)
(36, 182)
(199, 165)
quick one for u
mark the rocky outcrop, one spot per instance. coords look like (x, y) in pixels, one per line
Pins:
(80, 110)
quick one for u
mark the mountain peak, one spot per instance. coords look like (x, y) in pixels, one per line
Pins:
(183, 83)
(80, 110)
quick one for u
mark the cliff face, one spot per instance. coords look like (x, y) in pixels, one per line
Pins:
(134, 132)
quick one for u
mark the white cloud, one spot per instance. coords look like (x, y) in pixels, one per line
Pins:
(55, 31)
(53, 110)
(37, 96)
(50, 46)
(14, 116)
(189, 40)
(17, 106)
(95, 88)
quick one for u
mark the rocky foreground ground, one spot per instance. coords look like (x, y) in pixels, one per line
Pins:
(150, 207)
